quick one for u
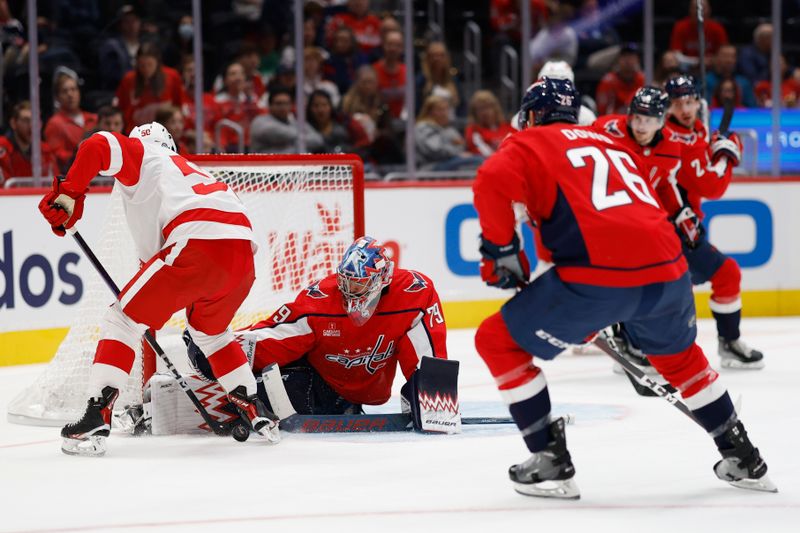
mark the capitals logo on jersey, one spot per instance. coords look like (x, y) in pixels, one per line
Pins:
(313, 291)
(372, 361)
(418, 283)
(612, 128)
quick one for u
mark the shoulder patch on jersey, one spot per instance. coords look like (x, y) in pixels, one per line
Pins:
(418, 283)
(685, 138)
(612, 128)
(313, 291)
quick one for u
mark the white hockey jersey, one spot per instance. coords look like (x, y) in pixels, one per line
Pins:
(166, 198)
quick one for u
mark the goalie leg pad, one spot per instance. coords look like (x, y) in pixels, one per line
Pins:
(431, 396)
(172, 413)
(309, 393)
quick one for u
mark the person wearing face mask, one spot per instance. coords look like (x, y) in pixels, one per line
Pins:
(181, 43)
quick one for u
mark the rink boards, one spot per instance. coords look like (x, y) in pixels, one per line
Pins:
(431, 227)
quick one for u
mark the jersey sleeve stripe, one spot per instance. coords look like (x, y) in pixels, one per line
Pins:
(420, 340)
(116, 155)
(282, 331)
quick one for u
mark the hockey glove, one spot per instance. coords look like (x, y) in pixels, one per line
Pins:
(689, 227)
(62, 208)
(729, 146)
(505, 267)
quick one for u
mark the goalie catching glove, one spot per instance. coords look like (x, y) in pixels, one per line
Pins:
(505, 267)
(62, 207)
(726, 145)
(689, 227)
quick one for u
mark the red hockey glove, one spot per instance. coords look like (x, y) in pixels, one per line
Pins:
(505, 267)
(729, 146)
(62, 208)
(689, 228)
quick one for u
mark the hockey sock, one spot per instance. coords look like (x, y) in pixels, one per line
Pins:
(529, 404)
(727, 323)
(230, 366)
(726, 302)
(112, 364)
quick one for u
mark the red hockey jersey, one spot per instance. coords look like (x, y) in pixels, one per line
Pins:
(596, 213)
(359, 363)
(698, 178)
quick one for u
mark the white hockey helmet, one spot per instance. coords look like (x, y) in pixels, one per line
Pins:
(155, 133)
(557, 69)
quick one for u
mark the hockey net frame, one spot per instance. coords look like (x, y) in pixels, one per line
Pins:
(305, 210)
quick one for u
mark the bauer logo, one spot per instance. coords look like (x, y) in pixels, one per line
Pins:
(33, 280)
(461, 239)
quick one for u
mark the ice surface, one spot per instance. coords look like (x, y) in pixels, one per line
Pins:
(641, 465)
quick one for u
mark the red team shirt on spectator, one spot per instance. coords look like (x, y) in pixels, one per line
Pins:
(15, 164)
(573, 190)
(614, 95)
(684, 37)
(489, 138)
(141, 109)
(64, 135)
(359, 363)
(392, 86)
(366, 29)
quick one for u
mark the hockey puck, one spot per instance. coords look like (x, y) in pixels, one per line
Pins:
(240, 432)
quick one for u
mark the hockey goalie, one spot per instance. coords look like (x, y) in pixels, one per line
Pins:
(333, 350)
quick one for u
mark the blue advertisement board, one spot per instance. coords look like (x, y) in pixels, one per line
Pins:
(760, 121)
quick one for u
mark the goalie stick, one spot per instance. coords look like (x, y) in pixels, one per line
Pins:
(215, 426)
(371, 423)
(605, 342)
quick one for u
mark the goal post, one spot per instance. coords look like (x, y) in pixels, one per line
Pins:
(305, 211)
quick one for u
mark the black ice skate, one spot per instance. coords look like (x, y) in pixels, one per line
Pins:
(741, 464)
(258, 417)
(549, 473)
(737, 354)
(88, 435)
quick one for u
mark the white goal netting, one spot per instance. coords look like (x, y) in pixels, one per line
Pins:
(304, 217)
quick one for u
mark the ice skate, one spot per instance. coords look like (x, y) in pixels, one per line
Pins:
(87, 436)
(737, 354)
(253, 410)
(549, 473)
(741, 464)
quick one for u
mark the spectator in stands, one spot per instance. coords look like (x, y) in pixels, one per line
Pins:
(365, 25)
(726, 89)
(312, 70)
(321, 116)
(117, 54)
(487, 126)
(391, 72)
(287, 55)
(597, 38)
(172, 118)
(12, 36)
(615, 91)
(436, 76)
(363, 101)
(269, 54)
(344, 60)
(684, 38)
(668, 67)
(182, 42)
(15, 149)
(66, 128)
(725, 69)
(236, 103)
(249, 59)
(754, 58)
(557, 40)
(109, 118)
(151, 84)
(790, 88)
(440, 147)
(284, 78)
(188, 108)
(278, 132)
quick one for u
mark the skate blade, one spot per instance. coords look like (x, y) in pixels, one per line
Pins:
(90, 447)
(740, 365)
(762, 484)
(561, 489)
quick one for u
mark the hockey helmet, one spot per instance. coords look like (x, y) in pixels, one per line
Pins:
(649, 101)
(155, 133)
(550, 100)
(361, 276)
(557, 70)
(682, 86)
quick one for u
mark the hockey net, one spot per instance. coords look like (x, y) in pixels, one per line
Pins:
(305, 211)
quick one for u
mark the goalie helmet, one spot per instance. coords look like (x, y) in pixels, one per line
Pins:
(550, 100)
(682, 86)
(155, 133)
(361, 276)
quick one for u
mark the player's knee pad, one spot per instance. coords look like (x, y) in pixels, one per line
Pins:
(120, 327)
(497, 348)
(210, 344)
(726, 282)
(688, 371)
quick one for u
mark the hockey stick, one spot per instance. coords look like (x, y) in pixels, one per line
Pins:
(605, 342)
(727, 116)
(215, 426)
(701, 45)
(368, 423)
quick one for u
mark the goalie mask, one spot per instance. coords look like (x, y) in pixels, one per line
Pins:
(155, 133)
(361, 276)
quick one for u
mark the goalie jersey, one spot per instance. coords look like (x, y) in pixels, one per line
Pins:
(359, 363)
